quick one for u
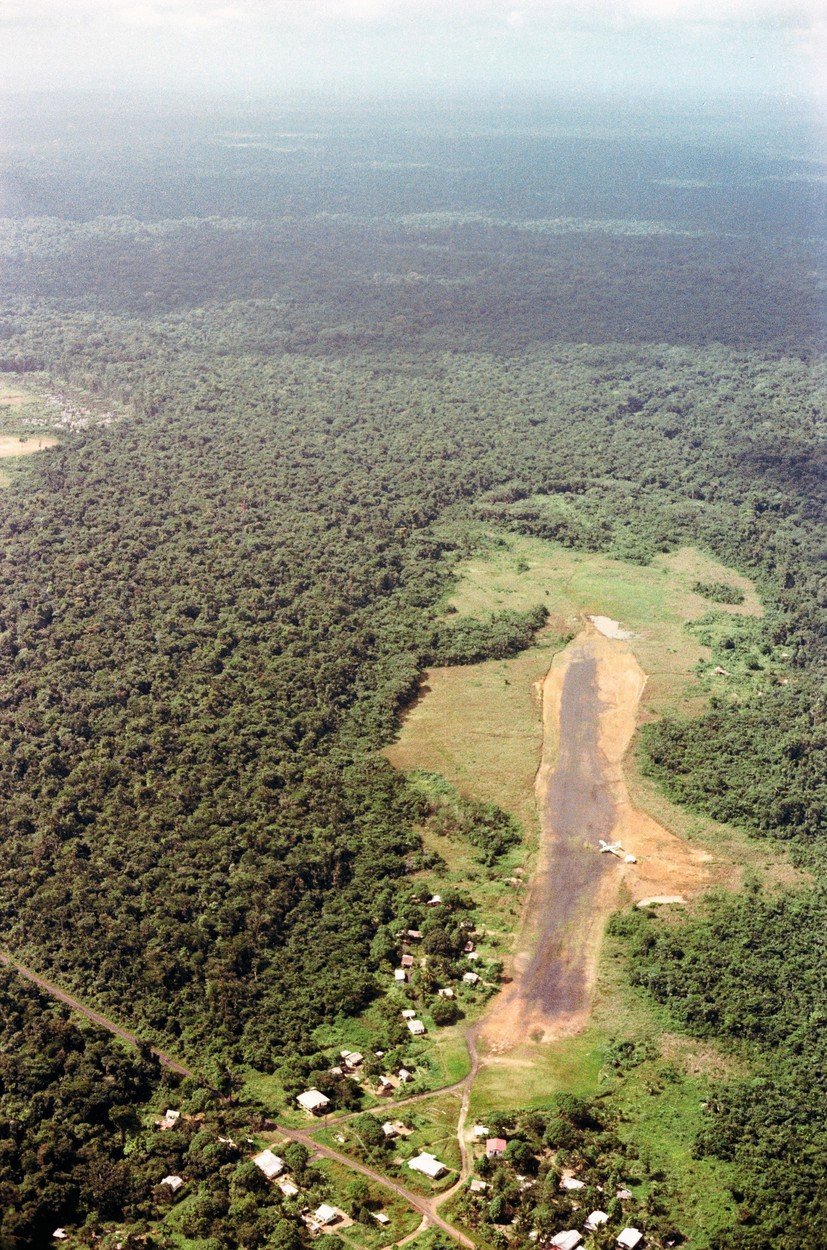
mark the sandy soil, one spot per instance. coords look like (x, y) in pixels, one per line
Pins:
(590, 698)
(10, 446)
(609, 628)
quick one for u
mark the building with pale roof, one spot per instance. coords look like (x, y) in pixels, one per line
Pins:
(270, 1164)
(566, 1240)
(312, 1100)
(428, 1165)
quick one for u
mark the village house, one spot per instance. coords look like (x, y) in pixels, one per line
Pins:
(413, 935)
(407, 961)
(169, 1119)
(434, 901)
(472, 956)
(60, 1234)
(566, 1240)
(173, 1182)
(381, 1217)
(416, 1027)
(405, 1076)
(289, 1188)
(470, 978)
(399, 974)
(447, 992)
(352, 1059)
(395, 1128)
(326, 1215)
(629, 1238)
(313, 1101)
(428, 1165)
(595, 1220)
(469, 947)
(387, 1084)
(270, 1164)
(480, 1131)
(495, 1146)
(477, 1186)
(408, 1013)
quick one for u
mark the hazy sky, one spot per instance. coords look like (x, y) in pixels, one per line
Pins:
(258, 46)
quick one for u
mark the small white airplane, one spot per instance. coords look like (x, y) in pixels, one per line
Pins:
(616, 848)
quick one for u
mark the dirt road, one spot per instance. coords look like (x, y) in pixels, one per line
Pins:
(427, 1207)
(54, 991)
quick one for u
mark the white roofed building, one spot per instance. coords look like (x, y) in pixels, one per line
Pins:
(629, 1238)
(566, 1240)
(270, 1164)
(326, 1214)
(428, 1165)
(571, 1182)
(313, 1100)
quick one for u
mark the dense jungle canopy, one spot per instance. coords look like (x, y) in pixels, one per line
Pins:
(305, 376)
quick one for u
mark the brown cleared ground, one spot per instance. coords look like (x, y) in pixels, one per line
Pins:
(12, 446)
(591, 696)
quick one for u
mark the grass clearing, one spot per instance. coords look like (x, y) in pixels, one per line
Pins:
(655, 601)
(530, 1076)
(12, 395)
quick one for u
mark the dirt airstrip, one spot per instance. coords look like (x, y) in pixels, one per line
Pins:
(590, 699)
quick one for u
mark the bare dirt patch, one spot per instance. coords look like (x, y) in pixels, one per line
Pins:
(11, 446)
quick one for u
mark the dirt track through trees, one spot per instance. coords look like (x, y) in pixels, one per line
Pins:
(103, 1022)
